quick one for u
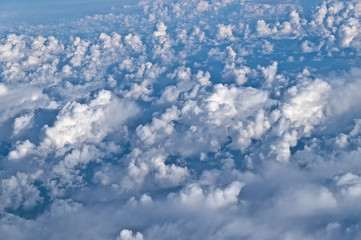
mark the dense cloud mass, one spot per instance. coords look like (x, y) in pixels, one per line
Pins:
(217, 119)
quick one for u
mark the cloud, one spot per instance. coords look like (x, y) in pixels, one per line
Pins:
(19, 191)
(128, 235)
(22, 122)
(152, 163)
(307, 201)
(161, 120)
(349, 185)
(348, 32)
(88, 123)
(306, 103)
(22, 149)
(194, 195)
(202, 6)
(225, 32)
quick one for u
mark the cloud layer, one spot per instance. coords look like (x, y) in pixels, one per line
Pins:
(163, 120)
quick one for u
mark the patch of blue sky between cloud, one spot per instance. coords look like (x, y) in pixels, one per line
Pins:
(52, 12)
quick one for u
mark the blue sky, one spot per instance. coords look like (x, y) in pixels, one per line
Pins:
(45, 12)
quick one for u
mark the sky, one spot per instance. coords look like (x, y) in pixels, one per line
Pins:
(217, 119)
(53, 11)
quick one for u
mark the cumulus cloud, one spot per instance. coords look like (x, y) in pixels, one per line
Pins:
(22, 122)
(159, 120)
(128, 235)
(22, 149)
(196, 196)
(225, 32)
(349, 185)
(306, 103)
(77, 123)
(19, 191)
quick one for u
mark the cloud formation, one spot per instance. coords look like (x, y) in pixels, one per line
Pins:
(159, 120)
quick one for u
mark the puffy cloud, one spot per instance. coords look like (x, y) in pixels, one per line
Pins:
(67, 170)
(22, 149)
(19, 191)
(348, 32)
(227, 102)
(161, 32)
(225, 32)
(128, 235)
(349, 185)
(203, 78)
(293, 28)
(202, 6)
(270, 72)
(153, 163)
(195, 195)
(22, 122)
(308, 47)
(88, 123)
(159, 128)
(166, 120)
(134, 42)
(30, 60)
(263, 28)
(306, 103)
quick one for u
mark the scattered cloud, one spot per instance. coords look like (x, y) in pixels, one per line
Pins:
(184, 120)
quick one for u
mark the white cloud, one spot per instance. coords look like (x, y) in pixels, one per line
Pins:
(88, 123)
(159, 128)
(19, 191)
(22, 122)
(67, 169)
(161, 32)
(225, 32)
(308, 47)
(153, 163)
(202, 6)
(305, 104)
(270, 72)
(21, 150)
(196, 196)
(209, 119)
(134, 42)
(263, 29)
(348, 32)
(203, 78)
(227, 102)
(307, 201)
(350, 185)
(129, 235)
